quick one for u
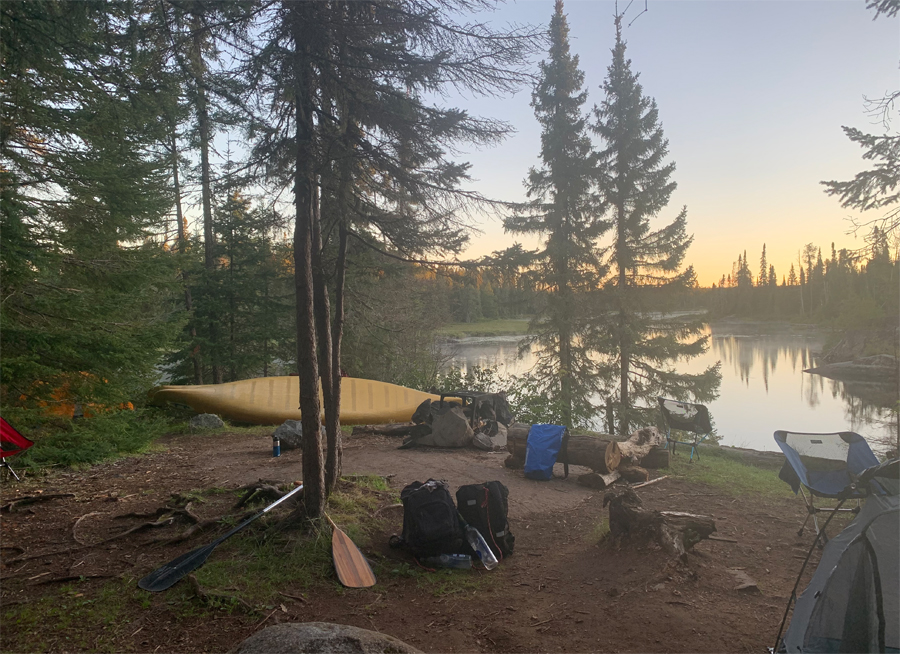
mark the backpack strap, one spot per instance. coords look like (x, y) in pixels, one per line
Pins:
(564, 451)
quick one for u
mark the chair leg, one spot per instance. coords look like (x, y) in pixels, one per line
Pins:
(803, 526)
(4, 464)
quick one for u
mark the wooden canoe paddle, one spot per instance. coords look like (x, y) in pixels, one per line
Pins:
(352, 568)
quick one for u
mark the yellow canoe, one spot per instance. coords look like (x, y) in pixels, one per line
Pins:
(272, 400)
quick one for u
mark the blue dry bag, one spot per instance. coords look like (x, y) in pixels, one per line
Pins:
(543, 446)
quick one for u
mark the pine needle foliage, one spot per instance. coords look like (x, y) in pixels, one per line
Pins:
(637, 347)
(561, 210)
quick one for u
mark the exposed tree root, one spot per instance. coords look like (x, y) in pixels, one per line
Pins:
(15, 503)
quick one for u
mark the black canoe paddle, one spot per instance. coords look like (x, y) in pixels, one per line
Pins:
(172, 572)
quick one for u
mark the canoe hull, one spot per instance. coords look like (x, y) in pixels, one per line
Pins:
(272, 400)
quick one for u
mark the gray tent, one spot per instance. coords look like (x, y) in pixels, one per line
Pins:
(851, 603)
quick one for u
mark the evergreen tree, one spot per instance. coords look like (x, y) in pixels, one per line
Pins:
(560, 211)
(638, 348)
(82, 192)
(762, 279)
(383, 175)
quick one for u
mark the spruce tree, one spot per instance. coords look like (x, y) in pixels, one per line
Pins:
(560, 211)
(351, 130)
(82, 191)
(638, 348)
(763, 277)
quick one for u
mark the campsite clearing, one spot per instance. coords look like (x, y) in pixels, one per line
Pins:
(564, 590)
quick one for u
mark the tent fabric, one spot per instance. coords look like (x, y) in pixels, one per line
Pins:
(11, 441)
(541, 449)
(824, 463)
(851, 603)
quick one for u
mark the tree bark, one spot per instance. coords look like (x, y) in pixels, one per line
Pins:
(298, 14)
(182, 248)
(203, 128)
(674, 531)
(598, 454)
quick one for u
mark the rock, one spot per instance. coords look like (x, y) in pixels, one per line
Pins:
(290, 433)
(321, 638)
(746, 583)
(449, 428)
(206, 421)
(881, 367)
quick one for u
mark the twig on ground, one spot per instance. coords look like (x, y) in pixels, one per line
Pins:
(652, 481)
(78, 522)
(31, 499)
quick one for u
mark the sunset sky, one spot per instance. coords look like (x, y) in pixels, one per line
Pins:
(752, 96)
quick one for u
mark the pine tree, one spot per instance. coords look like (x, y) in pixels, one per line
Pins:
(639, 349)
(351, 130)
(83, 189)
(559, 210)
(763, 277)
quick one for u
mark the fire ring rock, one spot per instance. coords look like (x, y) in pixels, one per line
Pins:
(321, 638)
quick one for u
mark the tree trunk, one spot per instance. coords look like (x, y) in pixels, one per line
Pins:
(600, 455)
(335, 454)
(676, 532)
(198, 69)
(323, 336)
(298, 13)
(182, 248)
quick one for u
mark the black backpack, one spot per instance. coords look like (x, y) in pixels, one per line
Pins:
(485, 507)
(430, 522)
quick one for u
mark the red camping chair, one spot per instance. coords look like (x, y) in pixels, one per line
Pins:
(11, 443)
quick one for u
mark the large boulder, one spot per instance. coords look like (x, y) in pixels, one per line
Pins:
(290, 434)
(321, 638)
(450, 428)
(206, 421)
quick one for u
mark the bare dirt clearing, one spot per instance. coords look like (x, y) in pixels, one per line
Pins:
(564, 590)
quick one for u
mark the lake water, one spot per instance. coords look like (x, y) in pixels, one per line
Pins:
(763, 388)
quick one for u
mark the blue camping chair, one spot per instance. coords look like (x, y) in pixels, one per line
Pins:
(826, 465)
(690, 418)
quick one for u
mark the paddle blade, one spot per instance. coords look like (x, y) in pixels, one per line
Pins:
(173, 571)
(352, 568)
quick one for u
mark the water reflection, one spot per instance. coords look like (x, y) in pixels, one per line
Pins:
(763, 387)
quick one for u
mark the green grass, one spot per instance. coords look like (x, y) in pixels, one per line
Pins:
(731, 477)
(486, 328)
(599, 532)
(69, 619)
(91, 440)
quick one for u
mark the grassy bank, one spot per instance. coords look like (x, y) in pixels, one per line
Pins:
(512, 326)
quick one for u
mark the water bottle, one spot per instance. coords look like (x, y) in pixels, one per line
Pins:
(457, 561)
(276, 446)
(477, 542)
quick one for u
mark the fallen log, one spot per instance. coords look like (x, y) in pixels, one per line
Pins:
(657, 458)
(675, 531)
(633, 474)
(598, 454)
(392, 429)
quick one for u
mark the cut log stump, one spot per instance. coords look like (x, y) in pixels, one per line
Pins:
(674, 531)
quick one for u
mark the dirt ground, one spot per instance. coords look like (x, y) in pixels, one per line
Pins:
(562, 591)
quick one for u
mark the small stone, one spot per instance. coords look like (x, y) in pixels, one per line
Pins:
(206, 421)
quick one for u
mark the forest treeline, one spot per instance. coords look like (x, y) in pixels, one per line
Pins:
(844, 289)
